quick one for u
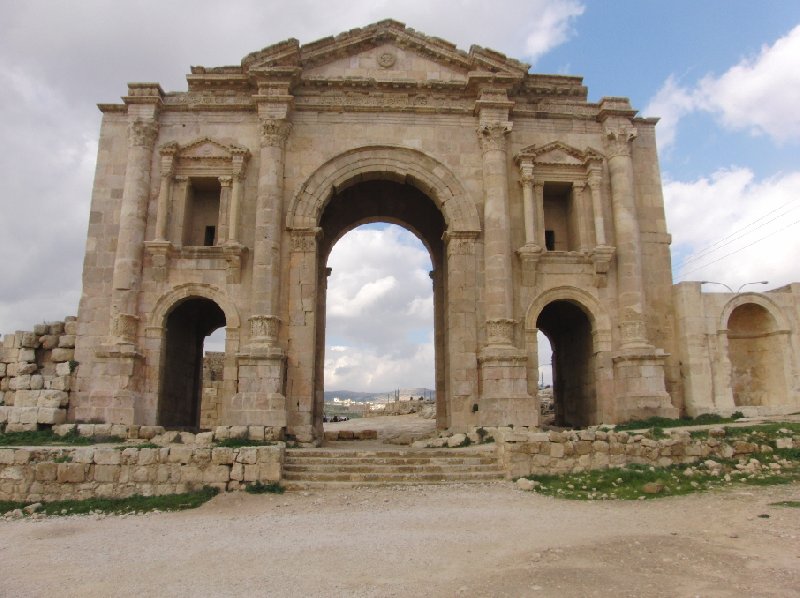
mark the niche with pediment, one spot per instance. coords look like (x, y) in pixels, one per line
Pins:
(198, 206)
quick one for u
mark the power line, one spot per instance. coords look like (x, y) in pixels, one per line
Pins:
(727, 240)
(741, 248)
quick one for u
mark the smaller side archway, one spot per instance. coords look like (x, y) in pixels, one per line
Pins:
(181, 377)
(756, 350)
(178, 325)
(579, 334)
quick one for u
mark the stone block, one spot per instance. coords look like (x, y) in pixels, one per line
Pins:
(150, 432)
(238, 432)
(247, 455)
(64, 429)
(39, 329)
(86, 430)
(346, 435)
(27, 355)
(63, 369)
(48, 342)
(147, 456)
(222, 455)
(556, 450)
(331, 435)
(27, 340)
(58, 383)
(66, 341)
(367, 435)
(107, 456)
(71, 473)
(204, 438)
(52, 398)
(255, 432)
(180, 454)
(37, 381)
(70, 326)
(46, 472)
(60, 354)
(106, 473)
(26, 398)
(48, 415)
(216, 474)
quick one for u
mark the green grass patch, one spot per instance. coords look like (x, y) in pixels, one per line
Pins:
(262, 488)
(242, 442)
(795, 504)
(141, 445)
(642, 482)
(120, 506)
(46, 438)
(666, 422)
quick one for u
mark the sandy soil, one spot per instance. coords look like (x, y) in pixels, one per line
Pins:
(488, 540)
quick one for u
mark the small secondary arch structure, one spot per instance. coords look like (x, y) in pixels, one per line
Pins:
(579, 332)
(180, 322)
(755, 335)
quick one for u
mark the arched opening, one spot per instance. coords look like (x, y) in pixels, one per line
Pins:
(569, 331)
(181, 390)
(756, 356)
(394, 203)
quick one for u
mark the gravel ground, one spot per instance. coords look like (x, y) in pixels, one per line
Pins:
(485, 540)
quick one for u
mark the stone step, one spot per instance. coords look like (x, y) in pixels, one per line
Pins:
(369, 468)
(333, 467)
(298, 485)
(350, 461)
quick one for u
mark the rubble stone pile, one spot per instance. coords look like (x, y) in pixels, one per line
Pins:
(36, 376)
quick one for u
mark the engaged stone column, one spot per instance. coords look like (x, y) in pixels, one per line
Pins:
(619, 136)
(497, 234)
(594, 178)
(167, 171)
(133, 219)
(533, 212)
(526, 180)
(239, 162)
(269, 222)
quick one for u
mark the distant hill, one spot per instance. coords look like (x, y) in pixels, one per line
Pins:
(363, 397)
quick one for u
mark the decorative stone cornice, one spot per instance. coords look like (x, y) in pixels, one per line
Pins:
(274, 132)
(492, 136)
(142, 133)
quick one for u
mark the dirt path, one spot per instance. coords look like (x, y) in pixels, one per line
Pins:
(490, 540)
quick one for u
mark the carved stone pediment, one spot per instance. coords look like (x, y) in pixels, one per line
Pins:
(558, 154)
(206, 148)
(387, 50)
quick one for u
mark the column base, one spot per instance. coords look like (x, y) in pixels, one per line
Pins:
(504, 398)
(260, 400)
(639, 382)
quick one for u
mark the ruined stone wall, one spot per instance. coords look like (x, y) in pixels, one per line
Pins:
(37, 375)
(526, 453)
(45, 473)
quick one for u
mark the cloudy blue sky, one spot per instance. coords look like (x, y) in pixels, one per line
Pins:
(724, 75)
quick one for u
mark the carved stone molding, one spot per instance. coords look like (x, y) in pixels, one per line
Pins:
(264, 329)
(601, 256)
(492, 136)
(233, 252)
(159, 258)
(274, 132)
(529, 254)
(618, 139)
(500, 332)
(304, 240)
(460, 242)
(142, 133)
(124, 328)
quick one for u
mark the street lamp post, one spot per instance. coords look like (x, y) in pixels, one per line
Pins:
(737, 291)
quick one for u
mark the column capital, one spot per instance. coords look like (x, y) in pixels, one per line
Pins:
(492, 136)
(142, 133)
(526, 174)
(225, 181)
(304, 240)
(274, 132)
(618, 138)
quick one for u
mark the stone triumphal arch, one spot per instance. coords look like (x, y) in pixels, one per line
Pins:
(217, 207)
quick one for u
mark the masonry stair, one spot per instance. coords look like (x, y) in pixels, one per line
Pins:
(333, 467)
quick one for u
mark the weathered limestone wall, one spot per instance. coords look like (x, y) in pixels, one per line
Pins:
(44, 473)
(738, 351)
(36, 376)
(526, 453)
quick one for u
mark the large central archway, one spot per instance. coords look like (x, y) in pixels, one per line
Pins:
(399, 186)
(395, 203)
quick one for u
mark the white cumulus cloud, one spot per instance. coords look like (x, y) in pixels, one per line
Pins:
(759, 94)
(732, 228)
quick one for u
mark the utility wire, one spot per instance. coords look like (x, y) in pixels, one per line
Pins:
(741, 248)
(735, 235)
